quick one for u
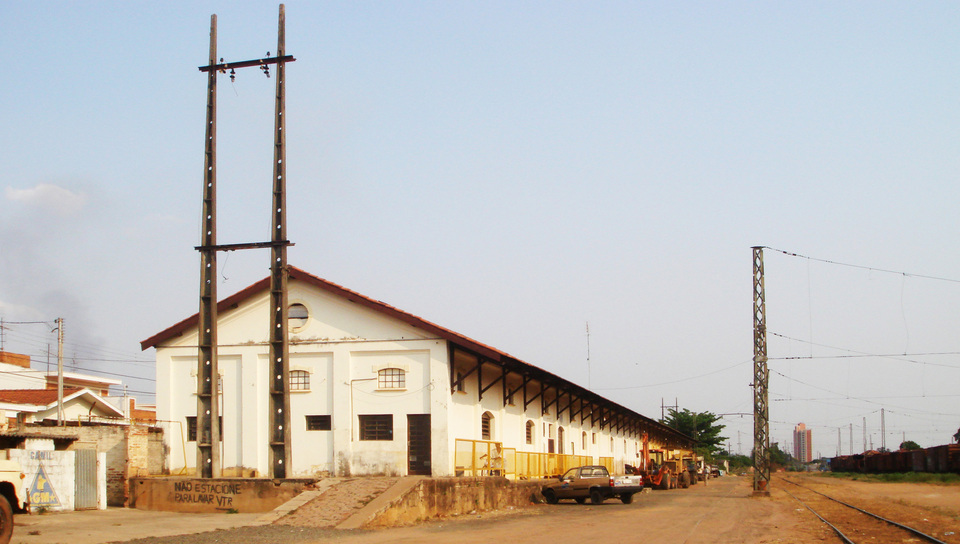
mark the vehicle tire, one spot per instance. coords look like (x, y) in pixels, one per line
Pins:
(693, 479)
(581, 500)
(596, 497)
(684, 480)
(664, 482)
(549, 495)
(6, 520)
(626, 498)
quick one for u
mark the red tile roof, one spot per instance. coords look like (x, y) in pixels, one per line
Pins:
(38, 397)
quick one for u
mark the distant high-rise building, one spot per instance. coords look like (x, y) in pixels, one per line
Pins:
(802, 444)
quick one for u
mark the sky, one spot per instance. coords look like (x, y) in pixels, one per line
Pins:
(518, 172)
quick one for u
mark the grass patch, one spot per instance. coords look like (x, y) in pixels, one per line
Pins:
(898, 477)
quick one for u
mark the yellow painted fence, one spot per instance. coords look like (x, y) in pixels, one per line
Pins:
(488, 458)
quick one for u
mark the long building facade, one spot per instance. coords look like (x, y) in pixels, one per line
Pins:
(375, 390)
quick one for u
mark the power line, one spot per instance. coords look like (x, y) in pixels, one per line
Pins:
(861, 354)
(862, 267)
(675, 381)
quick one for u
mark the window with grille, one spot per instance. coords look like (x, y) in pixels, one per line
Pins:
(392, 378)
(299, 380)
(376, 427)
(584, 440)
(486, 426)
(318, 423)
(530, 427)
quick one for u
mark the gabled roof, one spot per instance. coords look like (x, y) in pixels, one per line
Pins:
(35, 397)
(35, 400)
(491, 354)
(297, 274)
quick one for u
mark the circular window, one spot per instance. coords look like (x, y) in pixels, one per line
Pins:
(297, 316)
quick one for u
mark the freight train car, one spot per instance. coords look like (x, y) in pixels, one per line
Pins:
(936, 459)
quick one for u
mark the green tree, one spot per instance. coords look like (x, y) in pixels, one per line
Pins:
(956, 437)
(909, 445)
(701, 426)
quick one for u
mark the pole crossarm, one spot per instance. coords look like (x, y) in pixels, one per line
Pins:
(250, 245)
(224, 66)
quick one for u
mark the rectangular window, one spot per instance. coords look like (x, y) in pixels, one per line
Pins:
(192, 428)
(318, 423)
(460, 387)
(376, 427)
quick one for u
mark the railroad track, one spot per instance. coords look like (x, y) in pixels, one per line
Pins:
(883, 528)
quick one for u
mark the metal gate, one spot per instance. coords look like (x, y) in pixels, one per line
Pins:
(85, 496)
(418, 444)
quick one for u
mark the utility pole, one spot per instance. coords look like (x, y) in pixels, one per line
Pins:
(761, 380)
(883, 431)
(60, 421)
(589, 381)
(851, 439)
(208, 394)
(864, 433)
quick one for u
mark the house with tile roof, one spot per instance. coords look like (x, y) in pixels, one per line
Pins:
(377, 390)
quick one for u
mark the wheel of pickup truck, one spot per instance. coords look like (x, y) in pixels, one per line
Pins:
(596, 497)
(581, 500)
(626, 498)
(549, 495)
(6, 520)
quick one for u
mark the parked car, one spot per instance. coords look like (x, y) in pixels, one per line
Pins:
(593, 482)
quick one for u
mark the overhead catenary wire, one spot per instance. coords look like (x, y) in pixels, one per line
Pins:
(863, 267)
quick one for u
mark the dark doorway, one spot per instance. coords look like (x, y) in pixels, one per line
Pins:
(418, 444)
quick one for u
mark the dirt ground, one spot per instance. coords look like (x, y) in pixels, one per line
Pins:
(722, 512)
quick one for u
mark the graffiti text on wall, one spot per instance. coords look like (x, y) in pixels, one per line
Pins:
(218, 494)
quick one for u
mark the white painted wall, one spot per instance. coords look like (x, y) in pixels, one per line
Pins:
(343, 345)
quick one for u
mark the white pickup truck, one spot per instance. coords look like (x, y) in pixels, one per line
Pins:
(593, 482)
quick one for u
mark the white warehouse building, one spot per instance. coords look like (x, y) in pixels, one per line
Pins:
(375, 390)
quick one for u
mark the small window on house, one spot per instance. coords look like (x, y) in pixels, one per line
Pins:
(297, 316)
(192, 428)
(584, 439)
(299, 380)
(318, 423)
(611, 444)
(530, 426)
(376, 427)
(391, 378)
(486, 426)
(560, 440)
(509, 399)
(593, 438)
(460, 387)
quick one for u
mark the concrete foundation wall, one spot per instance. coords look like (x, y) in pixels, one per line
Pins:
(191, 495)
(443, 497)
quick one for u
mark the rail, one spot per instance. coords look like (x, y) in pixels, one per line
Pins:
(907, 528)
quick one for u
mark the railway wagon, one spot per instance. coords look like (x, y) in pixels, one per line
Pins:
(944, 458)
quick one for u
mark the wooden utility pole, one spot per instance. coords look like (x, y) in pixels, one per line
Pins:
(208, 393)
(761, 379)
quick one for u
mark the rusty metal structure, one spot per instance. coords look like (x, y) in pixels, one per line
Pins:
(761, 380)
(208, 391)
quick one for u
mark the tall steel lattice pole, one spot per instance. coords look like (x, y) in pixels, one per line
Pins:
(208, 404)
(761, 380)
(280, 437)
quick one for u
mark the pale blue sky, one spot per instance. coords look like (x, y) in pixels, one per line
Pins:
(511, 171)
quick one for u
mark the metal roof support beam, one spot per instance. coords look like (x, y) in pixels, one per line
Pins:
(527, 402)
(523, 386)
(502, 376)
(455, 382)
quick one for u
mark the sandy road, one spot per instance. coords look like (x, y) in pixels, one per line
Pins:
(722, 512)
